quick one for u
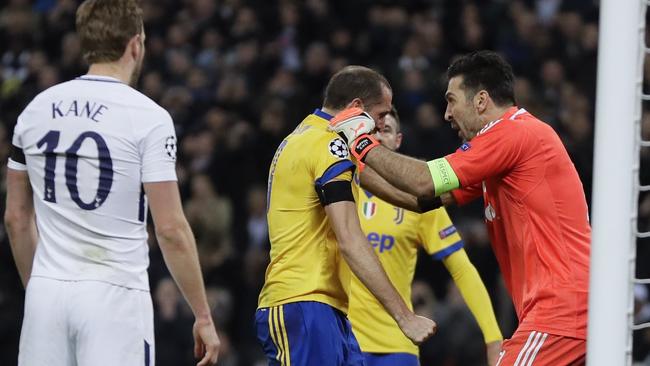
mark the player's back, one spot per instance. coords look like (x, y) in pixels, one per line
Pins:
(89, 144)
(305, 263)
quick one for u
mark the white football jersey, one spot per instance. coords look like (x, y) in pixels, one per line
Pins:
(89, 144)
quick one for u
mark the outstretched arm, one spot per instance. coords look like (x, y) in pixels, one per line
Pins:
(406, 173)
(380, 187)
(375, 184)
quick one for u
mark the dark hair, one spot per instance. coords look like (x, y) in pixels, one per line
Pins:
(105, 28)
(485, 70)
(354, 82)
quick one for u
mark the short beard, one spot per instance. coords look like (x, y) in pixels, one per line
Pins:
(135, 75)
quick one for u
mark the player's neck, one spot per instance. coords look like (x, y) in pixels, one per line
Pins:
(331, 112)
(494, 114)
(110, 69)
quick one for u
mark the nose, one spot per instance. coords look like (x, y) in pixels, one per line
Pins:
(378, 136)
(448, 116)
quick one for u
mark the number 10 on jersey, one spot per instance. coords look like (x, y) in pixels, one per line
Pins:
(51, 141)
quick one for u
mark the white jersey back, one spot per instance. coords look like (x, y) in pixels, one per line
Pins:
(89, 144)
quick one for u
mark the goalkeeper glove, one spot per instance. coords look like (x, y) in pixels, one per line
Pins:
(354, 126)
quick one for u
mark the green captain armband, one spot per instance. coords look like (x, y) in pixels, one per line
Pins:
(444, 178)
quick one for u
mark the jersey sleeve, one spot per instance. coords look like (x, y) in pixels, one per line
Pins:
(332, 161)
(158, 152)
(491, 153)
(467, 194)
(438, 235)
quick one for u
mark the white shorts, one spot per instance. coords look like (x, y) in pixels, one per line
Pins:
(86, 323)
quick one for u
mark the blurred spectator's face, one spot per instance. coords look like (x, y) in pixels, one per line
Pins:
(389, 136)
(379, 111)
(460, 110)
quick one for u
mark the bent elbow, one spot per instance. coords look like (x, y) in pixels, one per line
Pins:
(15, 220)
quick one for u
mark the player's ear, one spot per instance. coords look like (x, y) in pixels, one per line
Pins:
(355, 103)
(481, 101)
(398, 140)
(135, 46)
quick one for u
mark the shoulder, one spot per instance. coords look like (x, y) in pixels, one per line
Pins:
(332, 144)
(50, 94)
(141, 102)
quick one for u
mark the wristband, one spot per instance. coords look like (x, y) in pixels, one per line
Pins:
(362, 146)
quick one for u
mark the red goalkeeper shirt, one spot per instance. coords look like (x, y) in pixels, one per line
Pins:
(536, 216)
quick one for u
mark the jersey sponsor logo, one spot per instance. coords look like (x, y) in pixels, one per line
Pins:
(170, 147)
(490, 213)
(382, 243)
(339, 148)
(399, 215)
(465, 146)
(449, 230)
(369, 209)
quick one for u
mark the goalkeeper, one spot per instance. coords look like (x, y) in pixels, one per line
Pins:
(396, 234)
(535, 208)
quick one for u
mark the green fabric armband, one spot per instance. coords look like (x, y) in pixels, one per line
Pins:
(444, 178)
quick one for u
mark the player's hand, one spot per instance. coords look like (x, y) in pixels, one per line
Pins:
(351, 123)
(206, 342)
(418, 328)
(493, 352)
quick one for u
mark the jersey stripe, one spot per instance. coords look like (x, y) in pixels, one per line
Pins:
(442, 254)
(520, 111)
(533, 344)
(285, 338)
(539, 346)
(524, 348)
(334, 171)
(141, 206)
(273, 332)
(501, 354)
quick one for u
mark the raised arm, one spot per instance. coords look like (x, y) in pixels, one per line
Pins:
(20, 221)
(179, 250)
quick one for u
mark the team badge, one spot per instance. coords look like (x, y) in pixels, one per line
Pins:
(170, 147)
(339, 148)
(369, 209)
(465, 146)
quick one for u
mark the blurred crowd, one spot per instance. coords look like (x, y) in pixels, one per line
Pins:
(237, 76)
